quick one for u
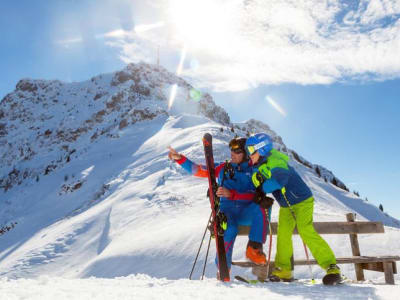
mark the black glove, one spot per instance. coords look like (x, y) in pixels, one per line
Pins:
(263, 200)
(267, 202)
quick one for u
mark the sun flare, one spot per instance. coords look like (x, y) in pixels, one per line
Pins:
(201, 24)
(275, 105)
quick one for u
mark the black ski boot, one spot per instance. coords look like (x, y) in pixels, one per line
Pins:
(332, 276)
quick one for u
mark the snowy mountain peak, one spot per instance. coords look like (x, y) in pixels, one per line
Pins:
(44, 123)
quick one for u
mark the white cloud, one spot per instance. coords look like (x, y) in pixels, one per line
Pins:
(242, 44)
(378, 9)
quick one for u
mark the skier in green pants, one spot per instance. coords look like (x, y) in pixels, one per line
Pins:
(274, 175)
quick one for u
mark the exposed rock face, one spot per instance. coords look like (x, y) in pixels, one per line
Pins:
(44, 124)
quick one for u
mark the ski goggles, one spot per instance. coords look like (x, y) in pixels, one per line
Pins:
(237, 151)
(251, 149)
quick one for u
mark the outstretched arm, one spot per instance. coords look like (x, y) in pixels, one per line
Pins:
(189, 166)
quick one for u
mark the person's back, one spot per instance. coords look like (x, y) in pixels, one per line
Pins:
(276, 169)
(296, 189)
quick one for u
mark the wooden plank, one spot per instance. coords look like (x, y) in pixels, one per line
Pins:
(355, 249)
(261, 272)
(378, 266)
(388, 269)
(375, 266)
(353, 260)
(339, 260)
(332, 228)
(367, 259)
(244, 264)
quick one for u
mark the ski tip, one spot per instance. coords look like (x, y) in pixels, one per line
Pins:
(240, 278)
(207, 136)
(248, 281)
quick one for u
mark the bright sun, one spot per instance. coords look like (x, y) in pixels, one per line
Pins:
(201, 23)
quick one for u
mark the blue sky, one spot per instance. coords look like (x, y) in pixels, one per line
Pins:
(332, 66)
(351, 129)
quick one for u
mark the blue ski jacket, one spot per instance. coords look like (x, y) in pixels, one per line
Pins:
(281, 179)
(238, 182)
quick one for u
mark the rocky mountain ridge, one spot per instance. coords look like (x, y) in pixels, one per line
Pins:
(44, 124)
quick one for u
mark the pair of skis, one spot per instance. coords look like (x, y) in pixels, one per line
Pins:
(223, 271)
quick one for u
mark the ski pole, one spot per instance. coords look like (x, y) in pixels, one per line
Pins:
(309, 264)
(270, 241)
(201, 244)
(205, 261)
(304, 244)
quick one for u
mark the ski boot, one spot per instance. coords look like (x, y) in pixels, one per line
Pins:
(255, 254)
(281, 275)
(332, 276)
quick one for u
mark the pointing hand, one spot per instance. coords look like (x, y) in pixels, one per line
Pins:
(173, 155)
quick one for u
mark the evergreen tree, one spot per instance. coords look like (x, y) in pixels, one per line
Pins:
(317, 170)
(381, 207)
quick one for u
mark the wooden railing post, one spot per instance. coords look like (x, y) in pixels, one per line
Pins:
(388, 269)
(355, 248)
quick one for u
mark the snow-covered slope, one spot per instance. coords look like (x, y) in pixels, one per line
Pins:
(100, 198)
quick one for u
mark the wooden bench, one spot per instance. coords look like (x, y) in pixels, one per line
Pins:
(386, 264)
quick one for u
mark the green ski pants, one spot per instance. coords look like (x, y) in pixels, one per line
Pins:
(303, 212)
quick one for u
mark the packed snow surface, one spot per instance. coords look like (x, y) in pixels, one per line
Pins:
(145, 287)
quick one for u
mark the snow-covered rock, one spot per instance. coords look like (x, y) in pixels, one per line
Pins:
(45, 124)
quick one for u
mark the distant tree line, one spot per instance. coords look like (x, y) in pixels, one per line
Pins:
(7, 228)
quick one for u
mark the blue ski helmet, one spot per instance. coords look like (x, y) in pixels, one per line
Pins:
(260, 142)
